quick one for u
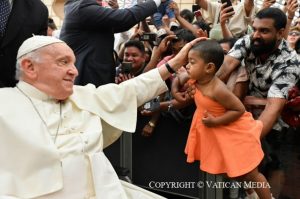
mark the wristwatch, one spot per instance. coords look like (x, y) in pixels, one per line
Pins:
(151, 124)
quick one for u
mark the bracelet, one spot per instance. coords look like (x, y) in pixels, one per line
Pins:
(151, 124)
(170, 106)
(170, 69)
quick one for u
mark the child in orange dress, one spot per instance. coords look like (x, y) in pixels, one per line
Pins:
(223, 136)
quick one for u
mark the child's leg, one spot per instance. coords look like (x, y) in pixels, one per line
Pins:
(171, 15)
(157, 20)
(260, 183)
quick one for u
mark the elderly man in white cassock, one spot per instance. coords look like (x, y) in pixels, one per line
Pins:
(52, 133)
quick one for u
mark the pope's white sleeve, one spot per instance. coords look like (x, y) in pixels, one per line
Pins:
(147, 86)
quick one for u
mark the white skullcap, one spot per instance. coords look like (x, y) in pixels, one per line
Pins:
(36, 42)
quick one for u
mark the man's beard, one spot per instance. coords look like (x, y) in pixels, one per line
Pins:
(262, 47)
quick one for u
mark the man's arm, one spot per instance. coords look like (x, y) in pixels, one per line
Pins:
(93, 15)
(225, 15)
(184, 23)
(248, 5)
(202, 4)
(43, 21)
(291, 7)
(228, 66)
(271, 113)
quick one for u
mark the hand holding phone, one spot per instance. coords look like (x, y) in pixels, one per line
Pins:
(225, 14)
(228, 4)
(148, 36)
(195, 7)
(126, 67)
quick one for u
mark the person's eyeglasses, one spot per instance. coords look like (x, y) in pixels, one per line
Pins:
(294, 33)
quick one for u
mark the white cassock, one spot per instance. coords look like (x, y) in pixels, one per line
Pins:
(32, 165)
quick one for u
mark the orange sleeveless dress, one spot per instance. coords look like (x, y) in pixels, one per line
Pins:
(234, 149)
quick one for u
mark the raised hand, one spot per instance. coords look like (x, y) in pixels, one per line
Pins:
(267, 3)
(225, 13)
(174, 6)
(163, 46)
(113, 4)
(291, 7)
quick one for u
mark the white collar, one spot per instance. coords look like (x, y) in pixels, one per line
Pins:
(32, 91)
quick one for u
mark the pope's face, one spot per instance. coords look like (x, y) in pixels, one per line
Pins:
(55, 71)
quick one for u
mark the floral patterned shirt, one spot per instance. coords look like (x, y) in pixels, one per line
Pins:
(274, 77)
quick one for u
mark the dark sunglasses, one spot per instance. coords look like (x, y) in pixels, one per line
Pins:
(294, 33)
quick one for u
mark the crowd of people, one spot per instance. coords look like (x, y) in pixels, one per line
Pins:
(229, 67)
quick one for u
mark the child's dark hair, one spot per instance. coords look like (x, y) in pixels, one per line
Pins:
(210, 51)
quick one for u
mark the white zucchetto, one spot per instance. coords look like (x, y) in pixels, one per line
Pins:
(36, 42)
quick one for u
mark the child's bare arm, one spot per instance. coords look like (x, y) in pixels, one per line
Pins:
(234, 107)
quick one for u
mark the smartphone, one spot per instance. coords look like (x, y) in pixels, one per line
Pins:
(228, 3)
(195, 7)
(148, 36)
(126, 67)
(152, 105)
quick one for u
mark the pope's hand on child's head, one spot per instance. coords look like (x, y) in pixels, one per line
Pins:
(182, 57)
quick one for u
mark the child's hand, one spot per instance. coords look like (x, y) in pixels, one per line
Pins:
(208, 119)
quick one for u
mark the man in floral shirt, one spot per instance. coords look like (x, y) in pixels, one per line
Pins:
(273, 69)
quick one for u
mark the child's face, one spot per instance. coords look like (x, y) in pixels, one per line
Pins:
(196, 66)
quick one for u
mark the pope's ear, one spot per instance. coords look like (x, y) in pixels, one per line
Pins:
(28, 68)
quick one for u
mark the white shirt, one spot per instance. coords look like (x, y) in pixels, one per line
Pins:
(74, 166)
